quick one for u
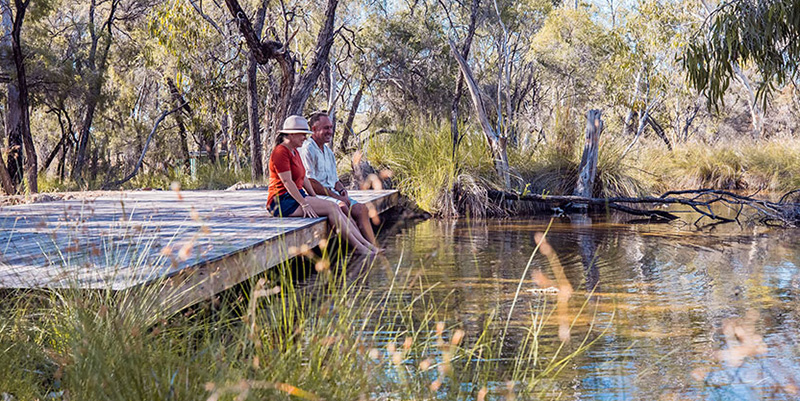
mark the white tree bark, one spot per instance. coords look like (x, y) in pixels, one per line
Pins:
(496, 142)
(756, 114)
(588, 167)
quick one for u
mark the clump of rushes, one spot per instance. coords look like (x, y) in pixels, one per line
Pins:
(425, 170)
(774, 165)
(552, 168)
(706, 167)
(330, 339)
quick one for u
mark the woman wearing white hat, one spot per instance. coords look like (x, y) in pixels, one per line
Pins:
(286, 178)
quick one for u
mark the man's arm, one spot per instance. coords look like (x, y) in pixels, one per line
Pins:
(339, 187)
(320, 190)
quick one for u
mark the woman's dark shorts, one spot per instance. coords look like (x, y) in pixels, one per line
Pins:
(284, 204)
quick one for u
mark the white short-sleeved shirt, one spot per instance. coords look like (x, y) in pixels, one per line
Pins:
(320, 164)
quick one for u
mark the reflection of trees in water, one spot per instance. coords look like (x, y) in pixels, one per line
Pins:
(672, 292)
(586, 244)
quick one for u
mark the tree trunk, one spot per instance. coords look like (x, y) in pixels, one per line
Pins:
(321, 53)
(351, 116)
(97, 69)
(456, 136)
(756, 114)
(83, 139)
(659, 130)
(588, 167)
(692, 114)
(496, 143)
(626, 126)
(94, 161)
(330, 83)
(256, 145)
(14, 156)
(5, 179)
(14, 113)
(62, 161)
(182, 105)
(280, 111)
(53, 154)
(18, 123)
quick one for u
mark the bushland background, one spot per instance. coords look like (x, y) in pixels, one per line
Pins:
(139, 93)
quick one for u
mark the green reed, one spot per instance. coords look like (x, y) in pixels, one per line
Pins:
(282, 335)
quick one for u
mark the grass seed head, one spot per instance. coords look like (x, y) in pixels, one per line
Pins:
(482, 394)
(374, 354)
(322, 265)
(458, 335)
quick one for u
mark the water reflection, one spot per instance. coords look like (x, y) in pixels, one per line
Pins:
(683, 299)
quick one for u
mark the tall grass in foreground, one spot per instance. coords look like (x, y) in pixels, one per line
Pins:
(333, 340)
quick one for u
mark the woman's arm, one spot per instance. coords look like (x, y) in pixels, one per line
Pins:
(309, 187)
(286, 178)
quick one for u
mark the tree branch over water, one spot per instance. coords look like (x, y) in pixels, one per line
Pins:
(700, 200)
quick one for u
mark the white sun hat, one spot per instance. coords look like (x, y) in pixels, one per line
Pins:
(295, 125)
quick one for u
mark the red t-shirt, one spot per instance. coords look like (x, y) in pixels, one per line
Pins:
(281, 160)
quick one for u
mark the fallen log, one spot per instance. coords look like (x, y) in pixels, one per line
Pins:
(699, 200)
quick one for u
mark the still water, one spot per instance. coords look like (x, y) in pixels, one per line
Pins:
(688, 312)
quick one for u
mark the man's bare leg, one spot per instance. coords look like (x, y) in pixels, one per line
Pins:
(360, 214)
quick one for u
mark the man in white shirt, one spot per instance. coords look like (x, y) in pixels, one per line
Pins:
(320, 165)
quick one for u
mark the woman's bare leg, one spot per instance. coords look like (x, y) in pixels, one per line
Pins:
(341, 222)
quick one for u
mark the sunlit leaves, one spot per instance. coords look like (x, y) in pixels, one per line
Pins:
(765, 33)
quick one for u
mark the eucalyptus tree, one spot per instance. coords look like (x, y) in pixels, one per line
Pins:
(641, 75)
(93, 59)
(740, 33)
(18, 125)
(204, 68)
(763, 33)
(295, 86)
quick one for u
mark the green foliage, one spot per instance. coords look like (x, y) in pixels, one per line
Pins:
(572, 48)
(331, 340)
(764, 33)
(550, 170)
(421, 160)
(209, 176)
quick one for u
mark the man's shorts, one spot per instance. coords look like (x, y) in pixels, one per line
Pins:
(334, 200)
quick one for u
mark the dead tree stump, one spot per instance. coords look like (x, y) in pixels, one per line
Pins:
(588, 167)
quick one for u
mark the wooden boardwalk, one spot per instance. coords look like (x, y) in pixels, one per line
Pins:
(199, 240)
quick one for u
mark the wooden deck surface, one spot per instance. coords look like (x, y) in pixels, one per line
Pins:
(196, 239)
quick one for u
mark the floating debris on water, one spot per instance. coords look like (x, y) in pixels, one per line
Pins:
(548, 290)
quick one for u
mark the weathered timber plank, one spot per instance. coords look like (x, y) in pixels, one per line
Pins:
(129, 239)
(200, 282)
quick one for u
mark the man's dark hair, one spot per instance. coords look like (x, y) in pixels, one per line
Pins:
(315, 116)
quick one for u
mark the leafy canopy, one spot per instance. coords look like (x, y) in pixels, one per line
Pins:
(763, 32)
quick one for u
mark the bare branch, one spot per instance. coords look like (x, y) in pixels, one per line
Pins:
(206, 17)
